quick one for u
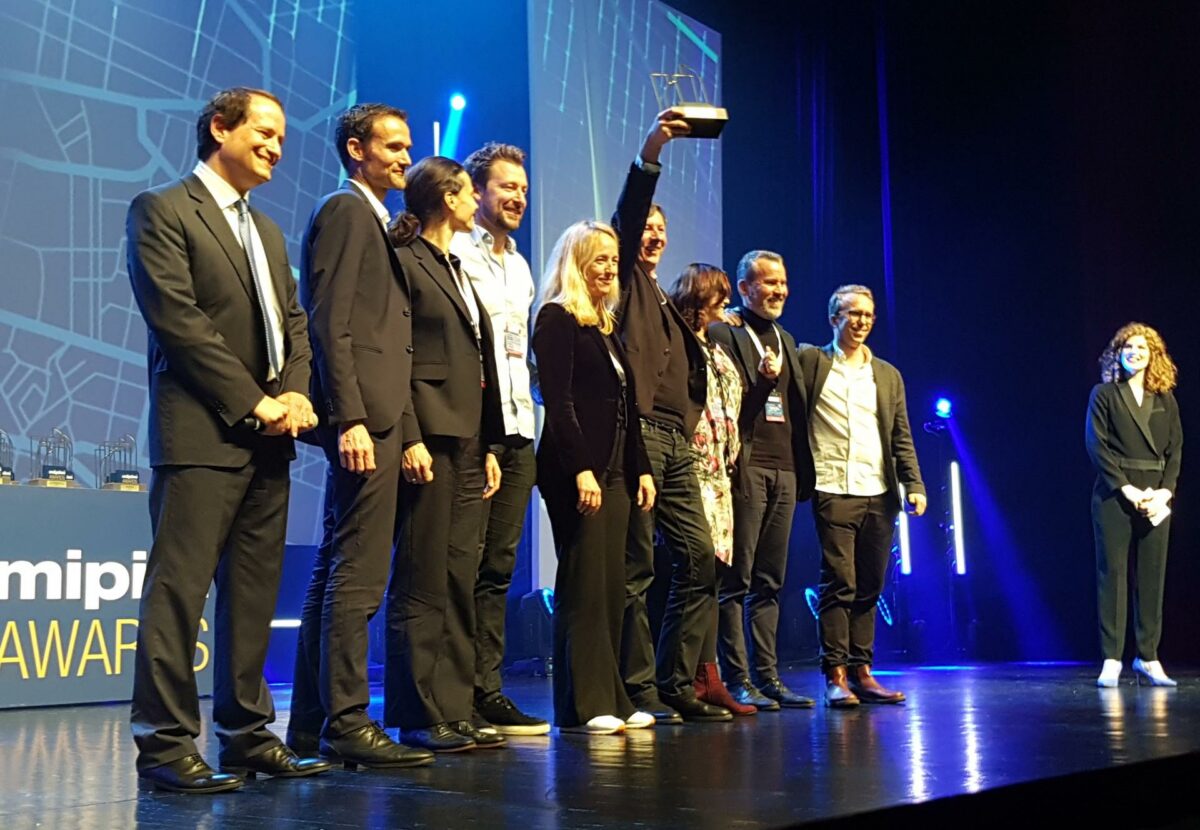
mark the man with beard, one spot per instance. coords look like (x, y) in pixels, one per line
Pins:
(504, 285)
(670, 380)
(360, 325)
(865, 462)
(774, 472)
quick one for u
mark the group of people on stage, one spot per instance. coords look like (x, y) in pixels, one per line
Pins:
(404, 354)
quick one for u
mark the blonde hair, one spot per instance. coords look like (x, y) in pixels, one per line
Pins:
(1161, 373)
(563, 281)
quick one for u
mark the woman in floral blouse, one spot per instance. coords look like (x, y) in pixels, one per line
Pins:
(700, 295)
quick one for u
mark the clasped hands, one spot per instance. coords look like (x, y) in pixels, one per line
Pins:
(1149, 502)
(288, 414)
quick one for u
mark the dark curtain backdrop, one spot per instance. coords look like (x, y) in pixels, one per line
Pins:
(1015, 181)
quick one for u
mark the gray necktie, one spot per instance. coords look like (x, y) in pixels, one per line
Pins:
(260, 289)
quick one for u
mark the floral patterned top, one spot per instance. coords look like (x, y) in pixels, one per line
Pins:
(715, 447)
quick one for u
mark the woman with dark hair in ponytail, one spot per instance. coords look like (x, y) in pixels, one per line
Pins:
(448, 471)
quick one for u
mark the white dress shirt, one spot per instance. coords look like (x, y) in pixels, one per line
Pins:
(376, 205)
(505, 288)
(227, 197)
(847, 448)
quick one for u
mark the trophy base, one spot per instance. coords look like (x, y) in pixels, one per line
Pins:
(4, 480)
(124, 487)
(64, 484)
(705, 120)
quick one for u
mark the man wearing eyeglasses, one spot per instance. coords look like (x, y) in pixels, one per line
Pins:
(865, 462)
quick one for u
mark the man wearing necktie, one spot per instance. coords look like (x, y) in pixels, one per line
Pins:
(228, 362)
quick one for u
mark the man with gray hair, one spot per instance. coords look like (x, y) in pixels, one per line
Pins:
(866, 469)
(774, 472)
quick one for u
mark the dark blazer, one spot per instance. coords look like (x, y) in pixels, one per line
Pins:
(643, 316)
(205, 350)
(899, 455)
(580, 391)
(1131, 445)
(359, 317)
(445, 369)
(737, 343)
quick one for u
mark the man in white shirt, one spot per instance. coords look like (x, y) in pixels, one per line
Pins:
(504, 285)
(864, 459)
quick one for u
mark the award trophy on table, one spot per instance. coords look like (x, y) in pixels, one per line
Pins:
(683, 91)
(6, 459)
(116, 465)
(52, 456)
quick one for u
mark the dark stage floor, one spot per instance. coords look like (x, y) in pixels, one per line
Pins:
(965, 729)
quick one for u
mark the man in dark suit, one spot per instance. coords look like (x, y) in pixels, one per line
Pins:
(774, 472)
(670, 376)
(866, 469)
(360, 325)
(228, 362)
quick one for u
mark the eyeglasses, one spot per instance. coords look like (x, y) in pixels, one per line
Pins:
(865, 316)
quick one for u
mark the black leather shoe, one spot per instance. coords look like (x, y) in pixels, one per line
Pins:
(190, 775)
(278, 762)
(746, 694)
(369, 746)
(663, 714)
(482, 739)
(437, 738)
(304, 744)
(784, 696)
(696, 710)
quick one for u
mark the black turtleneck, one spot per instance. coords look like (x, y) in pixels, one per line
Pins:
(772, 446)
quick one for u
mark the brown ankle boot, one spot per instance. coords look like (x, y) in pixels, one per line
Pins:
(869, 690)
(837, 693)
(711, 689)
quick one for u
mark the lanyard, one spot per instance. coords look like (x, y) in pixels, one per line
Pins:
(758, 343)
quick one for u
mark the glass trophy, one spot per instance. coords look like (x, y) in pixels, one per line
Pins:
(684, 91)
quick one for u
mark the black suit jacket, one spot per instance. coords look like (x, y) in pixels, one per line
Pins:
(581, 393)
(360, 319)
(447, 400)
(1127, 443)
(737, 342)
(206, 348)
(899, 455)
(643, 316)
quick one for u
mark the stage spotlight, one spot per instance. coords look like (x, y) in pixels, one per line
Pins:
(458, 102)
(943, 408)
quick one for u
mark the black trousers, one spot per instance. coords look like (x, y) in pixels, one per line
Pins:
(589, 603)
(503, 522)
(227, 524)
(679, 514)
(430, 669)
(330, 691)
(1124, 538)
(856, 545)
(749, 587)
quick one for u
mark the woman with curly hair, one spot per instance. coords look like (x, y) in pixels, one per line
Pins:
(1134, 438)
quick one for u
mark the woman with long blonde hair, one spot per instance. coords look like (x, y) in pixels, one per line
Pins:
(591, 467)
(1134, 438)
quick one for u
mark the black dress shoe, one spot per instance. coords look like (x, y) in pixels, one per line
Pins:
(695, 710)
(369, 746)
(437, 738)
(190, 775)
(663, 714)
(304, 744)
(745, 694)
(278, 762)
(483, 739)
(784, 696)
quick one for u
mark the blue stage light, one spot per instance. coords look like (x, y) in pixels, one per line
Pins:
(943, 408)
(960, 553)
(458, 102)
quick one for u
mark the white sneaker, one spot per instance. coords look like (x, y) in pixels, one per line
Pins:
(1152, 672)
(639, 720)
(599, 725)
(1110, 673)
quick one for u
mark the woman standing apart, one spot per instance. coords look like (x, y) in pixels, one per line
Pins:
(1135, 439)
(448, 471)
(700, 294)
(591, 465)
